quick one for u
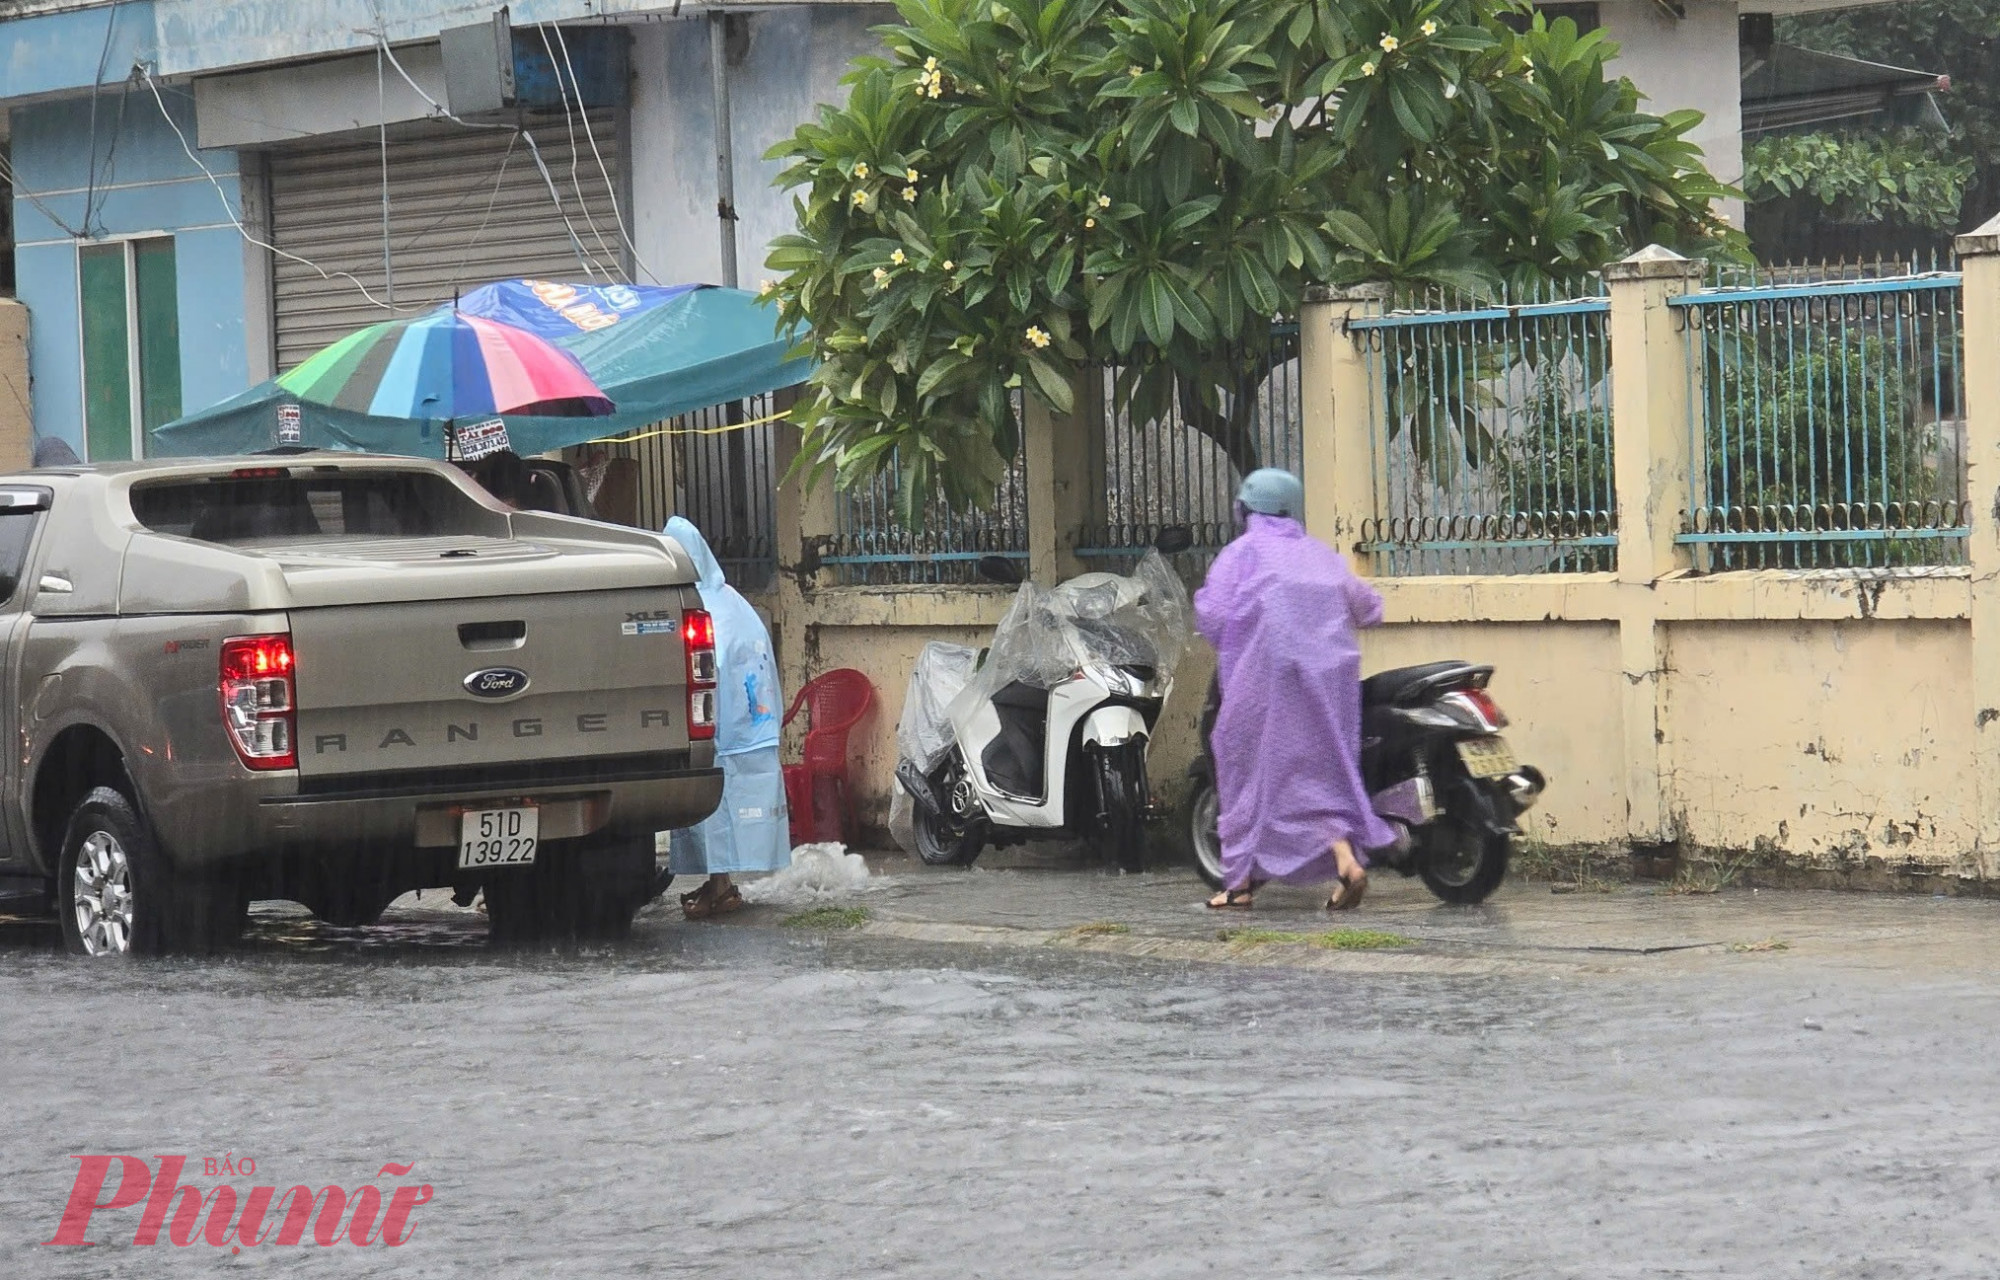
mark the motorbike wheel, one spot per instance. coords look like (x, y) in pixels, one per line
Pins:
(1459, 863)
(1121, 803)
(941, 841)
(1199, 816)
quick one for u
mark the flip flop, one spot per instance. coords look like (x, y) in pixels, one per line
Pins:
(1230, 900)
(1350, 893)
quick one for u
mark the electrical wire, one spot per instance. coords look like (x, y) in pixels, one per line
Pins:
(15, 184)
(576, 241)
(111, 153)
(617, 214)
(103, 59)
(575, 153)
(229, 210)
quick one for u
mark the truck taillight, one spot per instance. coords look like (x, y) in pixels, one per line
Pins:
(258, 708)
(698, 641)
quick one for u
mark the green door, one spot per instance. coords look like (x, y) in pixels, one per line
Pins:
(159, 313)
(107, 353)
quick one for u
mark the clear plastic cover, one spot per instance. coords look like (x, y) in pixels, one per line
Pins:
(1141, 619)
(923, 734)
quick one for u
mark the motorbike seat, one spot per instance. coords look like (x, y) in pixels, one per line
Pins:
(1405, 685)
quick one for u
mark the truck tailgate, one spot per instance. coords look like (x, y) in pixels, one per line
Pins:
(590, 680)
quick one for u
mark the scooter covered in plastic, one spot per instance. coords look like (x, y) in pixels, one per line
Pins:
(1047, 735)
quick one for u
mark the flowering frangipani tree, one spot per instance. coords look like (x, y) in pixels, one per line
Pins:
(1022, 189)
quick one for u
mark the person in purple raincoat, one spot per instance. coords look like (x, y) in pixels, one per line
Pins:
(1284, 612)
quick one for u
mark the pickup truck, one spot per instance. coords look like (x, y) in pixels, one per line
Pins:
(332, 679)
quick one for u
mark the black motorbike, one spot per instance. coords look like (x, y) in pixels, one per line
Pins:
(1435, 767)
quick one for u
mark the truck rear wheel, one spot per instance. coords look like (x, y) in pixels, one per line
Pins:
(117, 894)
(587, 892)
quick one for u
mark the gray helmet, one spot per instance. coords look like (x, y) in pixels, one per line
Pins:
(1272, 492)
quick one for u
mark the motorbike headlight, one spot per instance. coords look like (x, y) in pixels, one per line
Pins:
(1118, 681)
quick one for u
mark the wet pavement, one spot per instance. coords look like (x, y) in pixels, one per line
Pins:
(1632, 1083)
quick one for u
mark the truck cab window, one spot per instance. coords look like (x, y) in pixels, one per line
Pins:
(285, 505)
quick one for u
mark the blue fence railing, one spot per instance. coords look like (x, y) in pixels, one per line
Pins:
(1492, 439)
(1825, 424)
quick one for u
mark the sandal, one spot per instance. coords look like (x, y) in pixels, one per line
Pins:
(1348, 895)
(700, 904)
(1230, 900)
(728, 902)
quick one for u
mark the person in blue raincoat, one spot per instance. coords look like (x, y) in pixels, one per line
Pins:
(749, 830)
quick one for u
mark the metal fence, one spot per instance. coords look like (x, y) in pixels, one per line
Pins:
(721, 475)
(1825, 424)
(1492, 438)
(870, 548)
(1184, 469)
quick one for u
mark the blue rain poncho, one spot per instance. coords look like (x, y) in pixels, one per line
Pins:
(750, 830)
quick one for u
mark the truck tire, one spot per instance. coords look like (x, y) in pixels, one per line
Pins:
(587, 892)
(116, 894)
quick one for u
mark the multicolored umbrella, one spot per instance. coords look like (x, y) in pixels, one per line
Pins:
(447, 365)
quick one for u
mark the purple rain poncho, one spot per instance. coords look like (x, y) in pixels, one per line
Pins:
(1283, 611)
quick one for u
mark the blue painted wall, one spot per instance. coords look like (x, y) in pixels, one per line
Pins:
(53, 52)
(144, 182)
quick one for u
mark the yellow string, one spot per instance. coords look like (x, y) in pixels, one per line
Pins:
(694, 431)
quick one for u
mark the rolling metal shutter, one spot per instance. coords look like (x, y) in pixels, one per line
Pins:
(466, 206)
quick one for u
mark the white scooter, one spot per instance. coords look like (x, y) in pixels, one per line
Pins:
(1050, 734)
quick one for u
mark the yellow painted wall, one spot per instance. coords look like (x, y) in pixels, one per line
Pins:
(17, 429)
(1825, 741)
(1558, 683)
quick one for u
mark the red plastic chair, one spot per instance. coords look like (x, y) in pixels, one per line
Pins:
(817, 789)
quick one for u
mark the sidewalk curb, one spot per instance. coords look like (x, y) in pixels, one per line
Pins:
(1415, 959)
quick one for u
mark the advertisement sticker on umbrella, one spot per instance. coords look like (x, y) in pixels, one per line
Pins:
(478, 440)
(289, 430)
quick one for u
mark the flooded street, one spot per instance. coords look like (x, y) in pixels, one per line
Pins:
(749, 1101)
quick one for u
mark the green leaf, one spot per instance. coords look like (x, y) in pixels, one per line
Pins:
(1053, 386)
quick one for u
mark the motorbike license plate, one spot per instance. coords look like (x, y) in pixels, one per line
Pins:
(498, 838)
(1488, 757)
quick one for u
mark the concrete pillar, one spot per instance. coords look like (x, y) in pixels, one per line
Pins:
(1650, 407)
(1057, 452)
(1979, 257)
(804, 515)
(17, 420)
(1338, 393)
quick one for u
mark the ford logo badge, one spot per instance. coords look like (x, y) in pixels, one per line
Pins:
(496, 682)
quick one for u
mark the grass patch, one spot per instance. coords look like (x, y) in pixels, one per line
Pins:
(1099, 928)
(1767, 944)
(1565, 870)
(1709, 877)
(1330, 940)
(827, 918)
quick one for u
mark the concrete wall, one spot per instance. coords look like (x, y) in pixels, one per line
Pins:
(143, 182)
(793, 61)
(1839, 722)
(17, 420)
(1681, 63)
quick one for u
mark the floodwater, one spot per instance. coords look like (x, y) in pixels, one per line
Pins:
(748, 1102)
